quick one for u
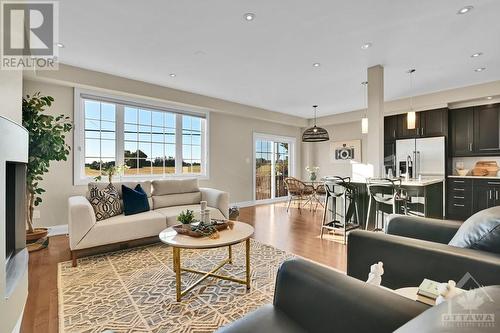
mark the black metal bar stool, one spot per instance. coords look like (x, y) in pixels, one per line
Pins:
(387, 195)
(335, 188)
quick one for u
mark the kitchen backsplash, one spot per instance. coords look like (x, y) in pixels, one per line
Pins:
(470, 162)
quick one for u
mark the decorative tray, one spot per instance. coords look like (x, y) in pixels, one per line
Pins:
(195, 230)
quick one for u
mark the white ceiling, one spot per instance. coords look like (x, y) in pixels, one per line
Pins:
(267, 62)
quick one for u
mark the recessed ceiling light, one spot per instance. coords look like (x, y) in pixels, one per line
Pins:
(489, 97)
(477, 54)
(316, 64)
(366, 46)
(249, 16)
(173, 75)
(480, 69)
(60, 45)
(465, 10)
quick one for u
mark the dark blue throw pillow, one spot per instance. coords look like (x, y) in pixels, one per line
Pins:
(134, 200)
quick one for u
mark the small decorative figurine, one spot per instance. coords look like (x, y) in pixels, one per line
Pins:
(375, 275)
(446, 291)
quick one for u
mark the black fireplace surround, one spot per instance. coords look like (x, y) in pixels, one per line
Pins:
(13, 162)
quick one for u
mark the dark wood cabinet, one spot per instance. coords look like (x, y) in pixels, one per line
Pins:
(462, 131)
(486, 194)
(487, 129)
(427, 124)
(460, 195)
(402, 131)
(475, 131)
(390, 128)
(466, 196)
(433, 123)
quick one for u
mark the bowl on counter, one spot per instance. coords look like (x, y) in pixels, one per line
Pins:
(462, 172)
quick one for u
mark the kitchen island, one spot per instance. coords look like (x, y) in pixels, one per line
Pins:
(425, 198)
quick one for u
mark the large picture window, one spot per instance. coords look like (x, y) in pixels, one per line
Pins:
(152, 141)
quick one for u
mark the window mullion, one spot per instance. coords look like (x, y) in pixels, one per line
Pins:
(178, 144)
(120, 135)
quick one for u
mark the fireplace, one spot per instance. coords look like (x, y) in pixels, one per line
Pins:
(13, 162)
(15, 208)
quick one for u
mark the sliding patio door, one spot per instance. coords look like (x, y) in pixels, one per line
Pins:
(273, 162)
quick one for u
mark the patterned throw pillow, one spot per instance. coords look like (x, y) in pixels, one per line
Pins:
(106, 202)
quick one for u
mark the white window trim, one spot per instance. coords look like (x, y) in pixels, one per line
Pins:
(292, 153)
(79, 177)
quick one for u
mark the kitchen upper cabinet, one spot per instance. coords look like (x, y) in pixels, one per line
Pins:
(390, 128)
(402, 131)
(462, 131)
(427, 124)
(475, 131)
(433, 123)
(487, 129)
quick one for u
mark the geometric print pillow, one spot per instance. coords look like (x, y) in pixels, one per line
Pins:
(106, 202)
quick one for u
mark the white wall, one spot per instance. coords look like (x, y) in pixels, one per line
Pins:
(11, 95)
(321, 151)
(230, 155)
(11, 309)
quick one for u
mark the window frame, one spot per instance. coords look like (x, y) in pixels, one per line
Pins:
(80, 95)
(292, 162)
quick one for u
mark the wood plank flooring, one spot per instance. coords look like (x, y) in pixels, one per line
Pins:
(294, 232)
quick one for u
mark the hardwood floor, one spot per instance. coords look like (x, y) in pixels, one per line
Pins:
(294, 232)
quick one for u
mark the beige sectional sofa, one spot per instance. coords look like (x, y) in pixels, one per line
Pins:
(167, 198)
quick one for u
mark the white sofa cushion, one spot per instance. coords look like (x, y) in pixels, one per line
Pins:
(160, 201)
(171, 213)
(174, 186)
(122, 228)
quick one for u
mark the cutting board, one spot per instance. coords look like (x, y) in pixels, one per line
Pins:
(485, 168)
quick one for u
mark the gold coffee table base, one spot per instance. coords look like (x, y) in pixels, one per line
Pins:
(178, 270)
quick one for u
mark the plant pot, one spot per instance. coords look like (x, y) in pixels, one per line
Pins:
(37, 239)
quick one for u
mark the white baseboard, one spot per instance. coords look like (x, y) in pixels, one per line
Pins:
(55, 230)
(251, 203)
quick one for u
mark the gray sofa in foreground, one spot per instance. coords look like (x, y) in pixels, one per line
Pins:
(312, 298)
(414, 248)
(315, 299)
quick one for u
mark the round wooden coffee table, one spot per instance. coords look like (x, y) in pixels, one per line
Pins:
(241, 232)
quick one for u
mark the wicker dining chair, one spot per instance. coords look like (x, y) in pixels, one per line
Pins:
(298, 191)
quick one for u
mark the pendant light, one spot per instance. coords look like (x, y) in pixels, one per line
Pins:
(411, 116)
(364, 120)
(315, 133)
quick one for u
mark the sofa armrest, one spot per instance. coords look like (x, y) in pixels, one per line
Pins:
(433, 230)
(408, 261)
(81, 219)
(216, 199)
(310, 295)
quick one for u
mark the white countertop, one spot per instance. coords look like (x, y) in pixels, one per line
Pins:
(425, 181)
(478, 177)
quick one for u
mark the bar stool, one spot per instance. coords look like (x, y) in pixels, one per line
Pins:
(338, 187)
(387, 194)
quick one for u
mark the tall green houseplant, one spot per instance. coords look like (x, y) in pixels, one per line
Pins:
(46, 144)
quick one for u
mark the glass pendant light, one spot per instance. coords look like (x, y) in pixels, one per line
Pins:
(364, 120)
(411, 117)
(315, 133)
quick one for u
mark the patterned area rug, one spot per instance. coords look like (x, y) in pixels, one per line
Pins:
(134, 290)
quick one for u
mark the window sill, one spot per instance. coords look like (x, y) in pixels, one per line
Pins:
(87, 180)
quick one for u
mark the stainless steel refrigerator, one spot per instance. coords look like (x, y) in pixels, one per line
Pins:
(426, 156)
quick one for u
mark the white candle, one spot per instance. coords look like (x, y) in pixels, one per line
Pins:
(203, 205)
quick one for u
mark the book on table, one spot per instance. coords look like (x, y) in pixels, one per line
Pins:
(428, 288)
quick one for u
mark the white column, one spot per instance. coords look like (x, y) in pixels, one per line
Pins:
(375, 136)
